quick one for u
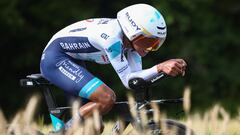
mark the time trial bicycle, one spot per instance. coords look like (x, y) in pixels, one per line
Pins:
(140, 90)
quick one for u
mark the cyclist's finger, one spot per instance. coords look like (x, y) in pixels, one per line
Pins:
(173, 73)
(177, 68)
(182, 62)
(180, 67)
(168, 70)
(184, 68)
(172, 70)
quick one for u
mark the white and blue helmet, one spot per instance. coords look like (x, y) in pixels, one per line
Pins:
(142, 19)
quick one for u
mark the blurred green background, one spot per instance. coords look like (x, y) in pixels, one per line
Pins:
(205, 33)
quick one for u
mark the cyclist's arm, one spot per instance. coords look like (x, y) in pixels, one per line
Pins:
(134, 60)
(135, 63)
(122, 66)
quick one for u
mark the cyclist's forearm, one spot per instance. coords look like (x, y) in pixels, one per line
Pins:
(145, 74)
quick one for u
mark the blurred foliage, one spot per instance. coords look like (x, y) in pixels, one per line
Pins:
(203, 32)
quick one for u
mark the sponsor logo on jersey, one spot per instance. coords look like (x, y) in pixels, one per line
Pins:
(114, 50)
(78, 29)
(71, 70)
(104, 21)
(122, 69)
(104, 36)
(66, 73)
(105, 58)
(132, 22)
(75, 44)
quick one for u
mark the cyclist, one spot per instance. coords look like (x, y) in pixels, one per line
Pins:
(121, 42)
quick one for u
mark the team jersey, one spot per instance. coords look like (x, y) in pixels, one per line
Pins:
(100, 40)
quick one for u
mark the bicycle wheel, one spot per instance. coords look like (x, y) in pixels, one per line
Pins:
(169, 127)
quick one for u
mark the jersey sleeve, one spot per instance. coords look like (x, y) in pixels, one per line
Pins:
(135, 64)
(119, 61)
(127, 68)
(134, 60)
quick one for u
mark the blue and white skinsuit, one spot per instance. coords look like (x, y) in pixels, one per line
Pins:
(98, 40)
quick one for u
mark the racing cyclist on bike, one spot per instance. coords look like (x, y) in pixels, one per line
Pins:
(121, 42)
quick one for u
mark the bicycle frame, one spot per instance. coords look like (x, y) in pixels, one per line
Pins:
(140, 90)
(139, 86)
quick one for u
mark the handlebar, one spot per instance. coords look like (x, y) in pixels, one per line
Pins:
(140, 83)
(156, 78)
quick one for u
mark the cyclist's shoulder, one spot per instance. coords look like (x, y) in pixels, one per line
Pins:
(100, 32)
(108, 33)
(102, 29)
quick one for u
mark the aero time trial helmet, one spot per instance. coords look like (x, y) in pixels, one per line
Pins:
(143, 20)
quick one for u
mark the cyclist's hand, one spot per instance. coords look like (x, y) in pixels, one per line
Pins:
(173, 67)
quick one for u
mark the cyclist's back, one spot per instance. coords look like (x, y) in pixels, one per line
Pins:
(87, 39)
